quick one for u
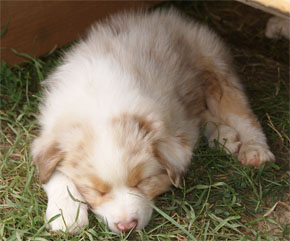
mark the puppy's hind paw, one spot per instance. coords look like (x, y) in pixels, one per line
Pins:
(227, 137)
(254, 154)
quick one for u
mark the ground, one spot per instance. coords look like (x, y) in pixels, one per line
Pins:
(220, 199)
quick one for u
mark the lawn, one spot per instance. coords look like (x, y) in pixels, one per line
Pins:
(219, 200)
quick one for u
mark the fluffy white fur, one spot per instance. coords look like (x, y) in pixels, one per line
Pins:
(73, 212)
(121, 115)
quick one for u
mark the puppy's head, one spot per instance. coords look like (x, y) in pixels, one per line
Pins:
(119, 167)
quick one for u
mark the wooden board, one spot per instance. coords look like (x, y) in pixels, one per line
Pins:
(37, 27)
(276, 7)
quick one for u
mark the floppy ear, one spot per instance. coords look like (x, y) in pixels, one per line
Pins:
(174, 153)
(46, 154)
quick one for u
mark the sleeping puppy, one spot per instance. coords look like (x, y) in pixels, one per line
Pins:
(121, 115)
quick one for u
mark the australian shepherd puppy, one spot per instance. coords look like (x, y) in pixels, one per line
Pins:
(121, 115)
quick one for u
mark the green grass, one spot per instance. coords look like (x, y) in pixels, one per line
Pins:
(219, 200)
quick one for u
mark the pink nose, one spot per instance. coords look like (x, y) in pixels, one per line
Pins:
(126, 226)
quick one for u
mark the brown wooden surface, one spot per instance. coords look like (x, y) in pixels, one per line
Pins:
(280, 8)
(37, 27)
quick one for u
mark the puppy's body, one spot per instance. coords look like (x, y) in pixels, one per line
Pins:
(122, 114)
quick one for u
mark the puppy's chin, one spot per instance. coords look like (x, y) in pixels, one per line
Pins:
(127, 207)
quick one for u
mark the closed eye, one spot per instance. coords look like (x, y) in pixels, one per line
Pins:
(93, 196)
(101, 193)
(87, 190)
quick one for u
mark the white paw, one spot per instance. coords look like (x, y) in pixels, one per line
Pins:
(229, 146)
(277, 27)
(254, 154)
(232, 147)
(228, 139)
(62, 195)
(68, 219)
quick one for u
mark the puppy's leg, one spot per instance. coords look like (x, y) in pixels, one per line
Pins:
(227, 136)
(60, 202)
(228, 105)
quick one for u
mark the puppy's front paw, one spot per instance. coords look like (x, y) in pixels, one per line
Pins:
(67, 219)
(254, 154)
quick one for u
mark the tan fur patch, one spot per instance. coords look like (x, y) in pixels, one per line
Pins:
(135, 175)
(143, 124)
(74, 163)
(94, 190)
(234, 102)
(212, 85)
(126, 120)
(130, 131)
(47, 160)
(183, 140)
(98, 184)
(93, 197)
(222, 98)
(194, 103)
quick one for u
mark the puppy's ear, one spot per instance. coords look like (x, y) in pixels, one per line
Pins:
(46, 154)
(174, 153)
